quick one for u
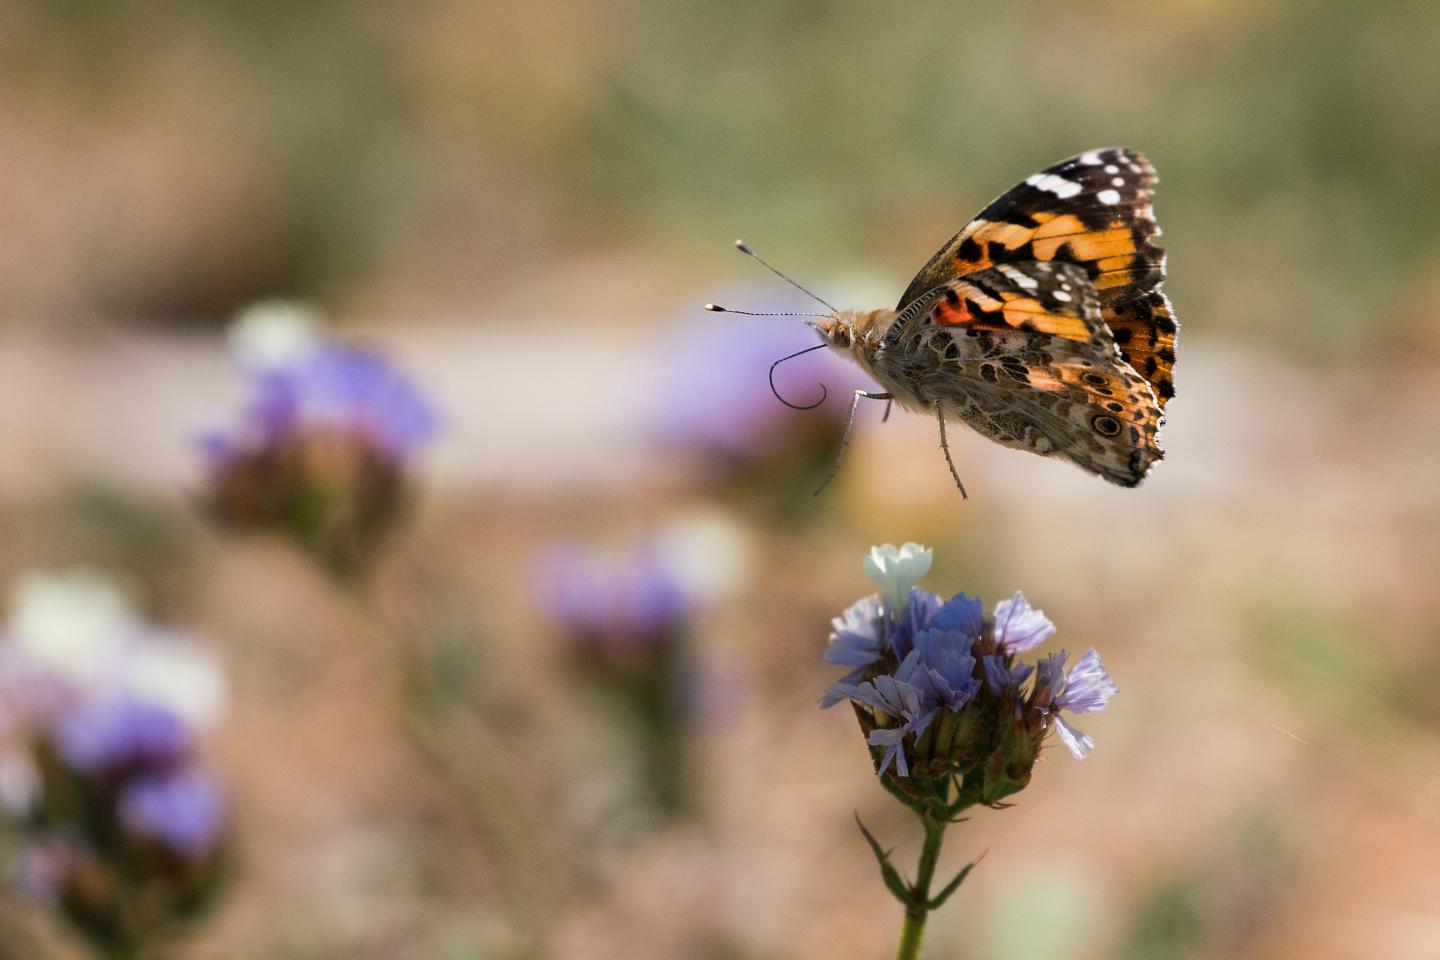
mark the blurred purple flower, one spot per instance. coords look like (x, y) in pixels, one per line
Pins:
(99, 714)
(618, 597)
(624, 616)
(334, 388)
(183, 809)
(121, 735)
(323, 444)
(710, 373)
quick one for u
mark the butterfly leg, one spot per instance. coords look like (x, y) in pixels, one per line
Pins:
(945, 445)
(845, 437)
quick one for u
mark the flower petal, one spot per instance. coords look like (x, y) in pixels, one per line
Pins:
(1078, 743)
(1020, 627)
(960, 613)
(896, 571)
(894, 739)
(1087, 686)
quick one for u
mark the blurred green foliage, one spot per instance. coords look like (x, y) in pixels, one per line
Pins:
(1219, 903)
(1294, 139)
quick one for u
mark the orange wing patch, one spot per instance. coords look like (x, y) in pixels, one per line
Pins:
(1145, 330)
(1094, 209)
(1110, 252)
(1051, 298)
(953, 309)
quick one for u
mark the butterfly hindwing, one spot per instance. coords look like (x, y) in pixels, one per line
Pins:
(1112, 416)
(1144, 329)
(1049, 395)
(1093, 210)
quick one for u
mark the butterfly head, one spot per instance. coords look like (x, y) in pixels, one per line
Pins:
(850, 331)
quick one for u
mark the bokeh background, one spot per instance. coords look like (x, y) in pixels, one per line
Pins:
(525, 205)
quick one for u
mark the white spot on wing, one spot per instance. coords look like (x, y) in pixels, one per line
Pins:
(1062, 296)
(1108, 196)
(1118, 182)
(1020, 278)
(1111, 168)
(1051, 183)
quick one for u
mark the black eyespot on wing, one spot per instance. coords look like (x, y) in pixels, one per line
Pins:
(1105, 425)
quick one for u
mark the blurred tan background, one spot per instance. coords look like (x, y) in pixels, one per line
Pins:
(526, 205)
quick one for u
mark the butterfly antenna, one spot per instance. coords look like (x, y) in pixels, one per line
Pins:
(745, 248)
(716, 308)
(824, 391)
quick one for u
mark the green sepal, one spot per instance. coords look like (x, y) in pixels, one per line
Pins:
(937, 901)
(893, 880)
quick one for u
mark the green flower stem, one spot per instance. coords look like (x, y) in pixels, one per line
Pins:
(913, 932)
(467, 756)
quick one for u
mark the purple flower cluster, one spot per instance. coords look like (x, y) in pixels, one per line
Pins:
(939, 686)
(333, 389)
(100, 715)
(623, 617)
(323, 445)
(139, 760)
(624, 598)
(710, 389)
(183, 809)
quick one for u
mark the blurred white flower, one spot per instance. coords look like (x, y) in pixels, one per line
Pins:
(173, 673)
(708, 552)
(274, 334)
(69, 623)
(895, 572)
(73, 636)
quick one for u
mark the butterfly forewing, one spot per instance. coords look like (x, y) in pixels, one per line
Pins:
(1051, 298)
(1093, 210)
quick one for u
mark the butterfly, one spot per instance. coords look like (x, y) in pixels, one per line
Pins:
(1041, 324)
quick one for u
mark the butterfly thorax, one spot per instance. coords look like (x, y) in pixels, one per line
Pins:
(860, 335)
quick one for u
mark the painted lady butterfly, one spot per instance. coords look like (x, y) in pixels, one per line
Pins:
(1041, 324)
